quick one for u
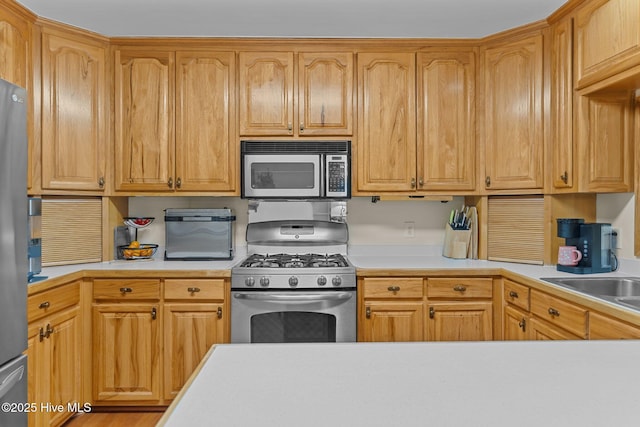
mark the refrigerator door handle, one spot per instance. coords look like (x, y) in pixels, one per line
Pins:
(11, 380)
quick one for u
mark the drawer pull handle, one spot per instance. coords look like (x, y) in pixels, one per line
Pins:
(393, 289)
(553, 312)
(126, 290)
(459, 288)
(193, 290)
(513, 294)
(41, 334)
(368, 313)
(44, 305)
(219, 312)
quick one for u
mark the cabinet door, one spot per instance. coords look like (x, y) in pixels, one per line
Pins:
(126, 353)
(516, 324)
(513, 127)
(325, 93)
(386, 149)
(446, 120)
(266, 93)
(561, 142)
(144, 120)
(206, 147)
(74, 111)
(541, 331)
(15, 48)
(189, 332)
(65, 367)
(393, 321)
(605, 134)
(607, 39)
(460, 321)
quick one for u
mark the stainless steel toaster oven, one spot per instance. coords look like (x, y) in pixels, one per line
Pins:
(198, 234)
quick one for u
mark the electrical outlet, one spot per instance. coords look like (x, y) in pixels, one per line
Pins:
(616, 238)
(409, 229)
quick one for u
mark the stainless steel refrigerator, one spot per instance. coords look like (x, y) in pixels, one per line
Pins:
(13, 255)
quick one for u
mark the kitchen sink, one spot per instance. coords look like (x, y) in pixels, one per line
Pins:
(621, 290)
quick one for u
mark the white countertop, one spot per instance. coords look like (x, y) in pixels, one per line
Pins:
(562, 383)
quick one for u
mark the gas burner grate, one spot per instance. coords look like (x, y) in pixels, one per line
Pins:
(295, 261)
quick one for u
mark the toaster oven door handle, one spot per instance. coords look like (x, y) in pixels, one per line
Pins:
(311, 298)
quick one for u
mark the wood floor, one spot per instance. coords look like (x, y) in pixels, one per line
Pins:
(115, 419)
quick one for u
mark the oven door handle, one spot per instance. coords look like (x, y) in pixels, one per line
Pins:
(340, 296)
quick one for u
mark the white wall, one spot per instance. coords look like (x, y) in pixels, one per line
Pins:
(618, 209)
(381, 223)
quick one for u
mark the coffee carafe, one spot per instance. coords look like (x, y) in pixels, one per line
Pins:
(592, 240)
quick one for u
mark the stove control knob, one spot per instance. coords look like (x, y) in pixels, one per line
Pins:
(337, 281)
(293, 281)
(264, 282)
(322, 281)
(250, 281)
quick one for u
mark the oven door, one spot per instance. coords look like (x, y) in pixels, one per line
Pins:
(281, 176)
(293, 317)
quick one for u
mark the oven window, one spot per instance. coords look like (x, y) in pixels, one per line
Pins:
(293, 327)
(297, 175)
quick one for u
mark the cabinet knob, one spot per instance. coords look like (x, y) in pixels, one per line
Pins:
(126, 290)
(154, 313)
(432, 312)
(219, 312)
(553, 312)
(101, 182)
(421, 182)
(565, 177)
(44, 305)
(487, 181)
(193, 290)
(289, 127)
(513, 294)
(523, 325)
(170, 182)
(393, 289)
(178, 182)
(459, 288)
(413, 183)
(301, 127)
(367, 312)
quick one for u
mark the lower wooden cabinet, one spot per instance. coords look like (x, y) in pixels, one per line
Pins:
(603, 327)
(460, 309)
(516, 325)
(392, 309)
(541, 330)
(149, 335)
(54, 343)
(195, 318)
(565, 318)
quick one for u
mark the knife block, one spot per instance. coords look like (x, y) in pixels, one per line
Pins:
(456, 242)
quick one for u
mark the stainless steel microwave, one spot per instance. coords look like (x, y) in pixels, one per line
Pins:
(296, 169)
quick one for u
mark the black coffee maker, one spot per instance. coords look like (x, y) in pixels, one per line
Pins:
(593, 240)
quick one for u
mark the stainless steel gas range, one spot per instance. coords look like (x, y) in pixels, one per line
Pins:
(296, 285)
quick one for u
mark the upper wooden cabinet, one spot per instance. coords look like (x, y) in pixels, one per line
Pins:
(15, 48)
(386, 148)
(196, 90)
(74, 112)
(513, 114)
(446, 120)
(321, 104)
(605, 142)
(561, 169)
(607, 39)
(144, 120)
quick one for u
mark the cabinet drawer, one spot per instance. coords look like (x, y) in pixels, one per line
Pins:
(516, 294)
(194, 289)
(53, 300)
(462, 287)
(393, 287)
(559, 312)
(126, 289)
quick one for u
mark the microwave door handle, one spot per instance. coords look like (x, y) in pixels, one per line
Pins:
(308, 298)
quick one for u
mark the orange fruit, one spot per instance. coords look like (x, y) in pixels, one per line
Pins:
(134, 245)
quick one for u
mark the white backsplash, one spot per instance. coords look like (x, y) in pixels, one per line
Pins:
(381, 223)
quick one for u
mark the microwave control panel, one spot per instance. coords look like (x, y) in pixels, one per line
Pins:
(336, 175)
